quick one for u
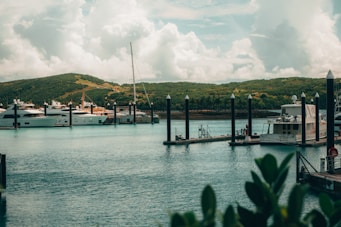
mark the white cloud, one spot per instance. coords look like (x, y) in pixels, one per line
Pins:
(256, 39)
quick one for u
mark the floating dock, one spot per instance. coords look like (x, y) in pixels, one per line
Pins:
(326, 182)
(200, 140)
(322, 180)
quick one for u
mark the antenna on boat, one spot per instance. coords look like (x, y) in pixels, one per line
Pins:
(132, 64)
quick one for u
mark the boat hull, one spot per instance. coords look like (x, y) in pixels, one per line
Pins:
(28, 122)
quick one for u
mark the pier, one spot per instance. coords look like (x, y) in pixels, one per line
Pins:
(181, 141)
(328, 179)
(204, 137)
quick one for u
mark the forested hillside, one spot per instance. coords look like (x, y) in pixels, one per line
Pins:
(266, 94)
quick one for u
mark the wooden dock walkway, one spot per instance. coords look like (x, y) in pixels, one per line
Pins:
(200, 140)
(325, 182)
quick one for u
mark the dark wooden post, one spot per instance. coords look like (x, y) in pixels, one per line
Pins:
(317, 117)
(187, 116)
(152, 113)
(15, 115)
(45, 108)
(3, 170)
(168, 118)
(303, 114)
(134, 109)
(115, 105)
(250, 116)
(70, 113)
(330, 121)
(91, 108)
(233, 120)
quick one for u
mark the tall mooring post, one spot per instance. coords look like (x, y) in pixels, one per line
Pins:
(134, 111)
(331, 151)
(317, 117)
(91, 108)
(45, 108)
(15, 115)
(168, 98)
(303, 114)
(249, 131)
(2, 171)
(233, 120)
(187, 116)
(115, 115)
(70, 113)
(152, 112)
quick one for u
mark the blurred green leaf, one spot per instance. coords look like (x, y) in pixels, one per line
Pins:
(254, 193)
(335, 218)
(326, 204)
(247, 217)
(295, 203)
(279, 182)
(269, 168)
(316, 218)
(285, 162)
(178, 220)
(256, 179)
(230, 219)
(208, 202)
(190, 219)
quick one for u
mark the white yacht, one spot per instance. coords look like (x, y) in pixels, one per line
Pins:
(287, 128)
(61, 113)
(26, 115)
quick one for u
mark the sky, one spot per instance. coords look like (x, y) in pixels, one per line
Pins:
(206, 41)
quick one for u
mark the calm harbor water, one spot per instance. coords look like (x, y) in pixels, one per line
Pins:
(123, 175)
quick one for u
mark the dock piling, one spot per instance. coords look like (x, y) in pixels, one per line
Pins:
(45, 108)
(115, 115)
(15, 115)
(317, 117)
(134, 111)
(303, 113)
(152, 113)
(249, 115)
(187, 116)
(330, 121)
(3, 170)
(233, 120)
(70, 113)
(168, 98)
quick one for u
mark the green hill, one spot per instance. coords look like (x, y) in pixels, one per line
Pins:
(266, 94)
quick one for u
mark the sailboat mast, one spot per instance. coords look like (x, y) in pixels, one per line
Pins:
(132, 64)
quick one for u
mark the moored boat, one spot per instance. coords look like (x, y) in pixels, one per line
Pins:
(61, 113)
(287, 128)
(25, 116)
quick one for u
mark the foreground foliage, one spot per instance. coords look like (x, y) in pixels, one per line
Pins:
(264, 192)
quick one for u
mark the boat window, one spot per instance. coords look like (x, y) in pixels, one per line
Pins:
(31, 115)
(10, 116)
(283, 111)
(338, 117)
(295, 126)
